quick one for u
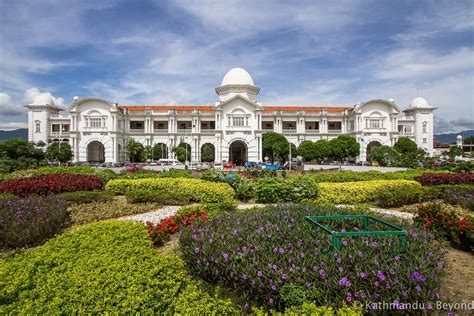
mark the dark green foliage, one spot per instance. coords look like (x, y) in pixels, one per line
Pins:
(244, 188)
(30, 221)
(87, 196)
(275, 146)
(399, 196)
(385, 156)
(106, 174)
(135, 151)
(17, 154)
(100, 268)
(275, 258)
(351, 176)
(277, 190)
(163, 197)
(181, 153)
(59, 152)
(405, 145)
(175, 173)
(207, 153)
(343, 147)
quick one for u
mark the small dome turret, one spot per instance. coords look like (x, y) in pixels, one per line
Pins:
(419, 103)
(43, 99)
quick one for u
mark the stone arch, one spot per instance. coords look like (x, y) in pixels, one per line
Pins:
(208, 152)
(373, 144)
(95, 151)
(164, 150)
(238, 152)
(188, 149)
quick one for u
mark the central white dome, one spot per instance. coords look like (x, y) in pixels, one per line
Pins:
(43, 99)
(419, 103)
(237, 76)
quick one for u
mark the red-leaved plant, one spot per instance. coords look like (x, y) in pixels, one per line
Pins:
(51, 183)
(445, 178)
(161, 232)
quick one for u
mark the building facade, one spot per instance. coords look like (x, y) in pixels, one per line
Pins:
(98, 130)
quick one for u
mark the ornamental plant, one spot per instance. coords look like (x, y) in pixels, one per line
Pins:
(278, 190)
(446, 178)
(274, 258)
(31, 220)
(446, 224)
(162, 232)
(51, 183)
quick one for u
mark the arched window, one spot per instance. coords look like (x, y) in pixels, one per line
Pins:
(424, 127)
(37, 126)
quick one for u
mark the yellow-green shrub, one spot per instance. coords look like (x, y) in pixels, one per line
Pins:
(193, 189)
(359, 192)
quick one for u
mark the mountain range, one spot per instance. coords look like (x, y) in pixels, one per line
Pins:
(443, 138)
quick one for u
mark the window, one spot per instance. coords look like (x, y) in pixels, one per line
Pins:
(424, 141)
(332, 126)
(55, 128)
(136, 124)
(374, 123)
(424, 127)
(351, 125)
(238, 121)
(65, 128)
(37, 127)
(95, 122)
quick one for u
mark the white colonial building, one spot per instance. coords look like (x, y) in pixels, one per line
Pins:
(98, 130)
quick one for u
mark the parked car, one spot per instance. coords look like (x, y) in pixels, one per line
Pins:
(229, 165)
(218, 166)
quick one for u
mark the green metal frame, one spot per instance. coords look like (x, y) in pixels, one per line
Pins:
(396, 230)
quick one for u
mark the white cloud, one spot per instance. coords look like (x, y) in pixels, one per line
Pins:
(30, 95)
(8, 107)
(12, 125)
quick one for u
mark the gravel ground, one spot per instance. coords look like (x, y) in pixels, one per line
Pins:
(167, 211)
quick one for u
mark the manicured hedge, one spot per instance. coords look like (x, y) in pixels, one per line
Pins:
(51, 183)
(30, 221)
(277, 190)
(193, 189)
(352, 176)
(446, 178)
(102, 268)
(50, 170)
(359, 192)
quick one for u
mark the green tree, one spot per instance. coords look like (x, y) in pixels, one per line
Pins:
(469, 140)
(322, 149)
(344, 146)
(135, 151)
(306, 150)
(59, 151)
(207, 153)
(17, 153)
(385, 156)
(455, 151)
(405, 145)
(41, 144)
(181, 153)
(275, 146)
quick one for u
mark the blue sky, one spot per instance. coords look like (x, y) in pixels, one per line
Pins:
(298, 52)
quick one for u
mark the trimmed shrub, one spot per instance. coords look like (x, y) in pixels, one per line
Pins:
(100, 268)
(106, 175)
(163, 197)
(400, 195)
(87, 196)
(51, 183)
(359, 192)
(445, 178)
(276, 190)
(446, 223)
(193, 189)
(52, 170)
(30, 221)
(98, 210)
(275, 258)
(243, 187)
(175, 173)
(311, 309)
(352, 176)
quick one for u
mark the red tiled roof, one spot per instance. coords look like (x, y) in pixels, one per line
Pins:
(167, 107)
(210, 108)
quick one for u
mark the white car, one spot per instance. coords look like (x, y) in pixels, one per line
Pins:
(218, 166)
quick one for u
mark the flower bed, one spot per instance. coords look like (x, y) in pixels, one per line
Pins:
(274, 258)
(360, 192)
(30, 221)
(161, 232)
(446, 223)
(193, 189)
(102, 268)
(446, 178)
(51, 183)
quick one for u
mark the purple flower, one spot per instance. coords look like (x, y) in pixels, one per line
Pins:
(440, 264)
(225, 255)
(196, 250)
(363, 275)
(418, 288)
(284, 276)
(344, 282)
(414, 235)
(361, 253)
(338, 260)
(348, 298)
(376, 263)
(274, 288)
(415, 276)
(244, 277)
(381, 276)
(274, 267)
(396, 258)
(302, 255)
(280, 250)
(373, 244)
(246, 306)
(259, 273)
(321, 274)
(392, 272)
(307, 284)
(341, 269)
(270, 301)
(344, 243)
(388, 286)
(244, 248)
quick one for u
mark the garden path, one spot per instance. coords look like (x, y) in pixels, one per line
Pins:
(170, 210)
